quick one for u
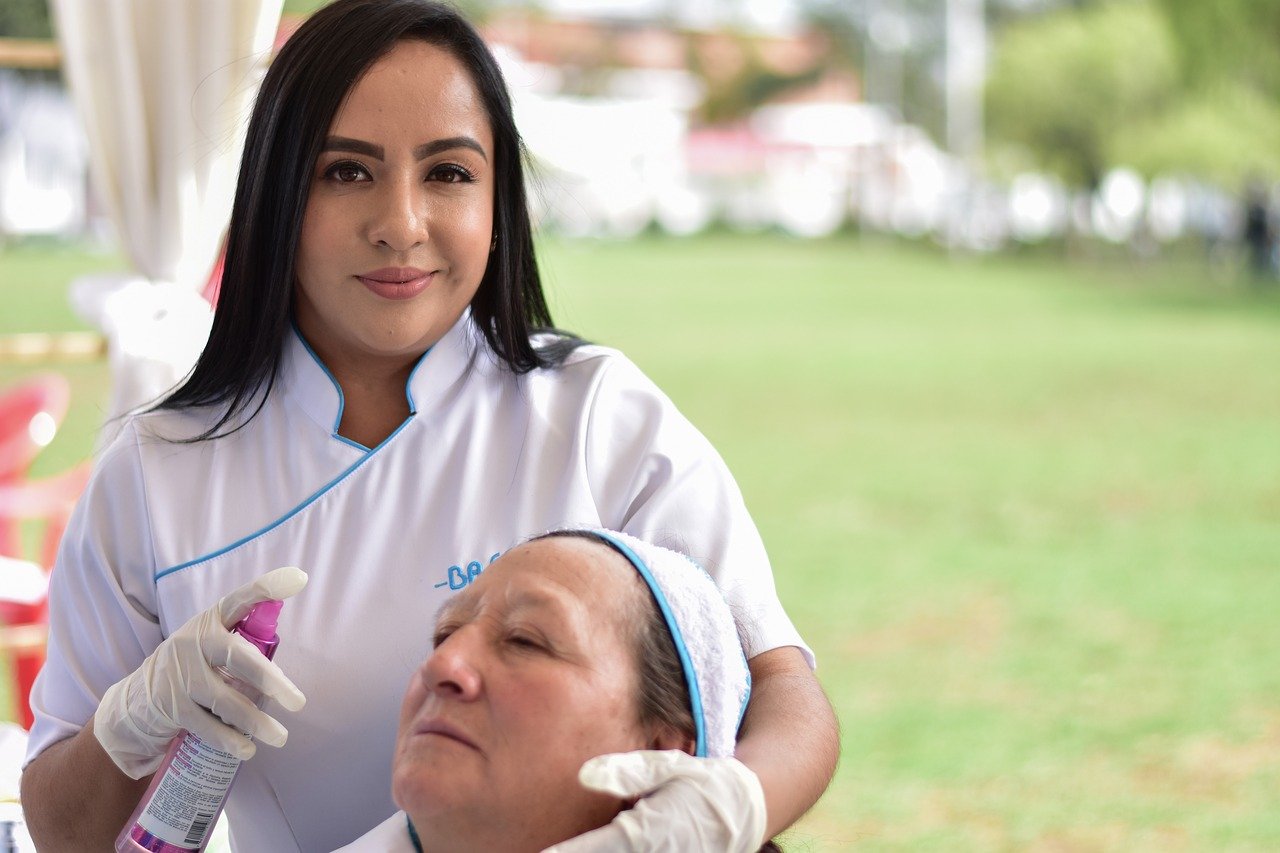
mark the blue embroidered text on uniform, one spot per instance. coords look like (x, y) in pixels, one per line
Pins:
(459, 577)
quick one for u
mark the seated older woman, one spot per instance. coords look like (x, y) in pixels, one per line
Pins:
(570, 646)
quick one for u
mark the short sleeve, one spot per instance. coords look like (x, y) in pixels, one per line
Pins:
(655, 476)
(102, 607)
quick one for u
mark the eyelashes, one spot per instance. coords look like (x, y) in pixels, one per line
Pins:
(461, 174)
(347, 172)
(525, 642)
(519, 639)
(354, 172)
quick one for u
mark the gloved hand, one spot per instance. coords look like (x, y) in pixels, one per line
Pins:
(686, 803)
(177, 687)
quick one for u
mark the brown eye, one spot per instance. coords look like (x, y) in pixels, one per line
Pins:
(452, 173)
(347, 172)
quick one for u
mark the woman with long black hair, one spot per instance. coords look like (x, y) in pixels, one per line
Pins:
(383, 402)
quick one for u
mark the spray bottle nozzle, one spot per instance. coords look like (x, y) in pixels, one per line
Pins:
(260, 622)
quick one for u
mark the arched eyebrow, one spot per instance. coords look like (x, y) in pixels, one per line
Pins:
(422, 152)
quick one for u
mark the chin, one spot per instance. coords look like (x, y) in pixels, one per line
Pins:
(448, 820)
(421, 789)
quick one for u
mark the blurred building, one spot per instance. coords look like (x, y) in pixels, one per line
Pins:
(43, 160)
(633, 123)
(693, 114)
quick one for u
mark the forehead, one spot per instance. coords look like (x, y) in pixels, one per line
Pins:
(416, 88)
(561, 572)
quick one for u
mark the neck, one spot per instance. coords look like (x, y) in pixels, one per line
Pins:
(413, 835)
(461, 834)
(373, 405)
(374, 401)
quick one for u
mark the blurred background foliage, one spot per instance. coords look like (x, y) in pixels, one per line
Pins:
(1079, 86)
(1075, 87)
(1065, 84)
(1157, 85)
(25, 19)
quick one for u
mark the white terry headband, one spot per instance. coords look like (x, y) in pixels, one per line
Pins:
(706, 638)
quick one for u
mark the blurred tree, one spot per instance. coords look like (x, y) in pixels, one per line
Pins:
(25, 19)
(1236, 40)
(898, 47)
(1227, 127)
(1224, 133)
(28, 19)
(1061, 84)
(734, 97)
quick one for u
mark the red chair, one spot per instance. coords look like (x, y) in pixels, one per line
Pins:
(24, 615)
(30, 413)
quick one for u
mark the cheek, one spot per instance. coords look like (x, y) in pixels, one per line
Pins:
(313, 237)
(470, 222)
(482, 222)
(599, 719)
(329, 215)
(414, 697)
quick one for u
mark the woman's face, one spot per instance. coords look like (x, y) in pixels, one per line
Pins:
(398, 223)
(532, 674)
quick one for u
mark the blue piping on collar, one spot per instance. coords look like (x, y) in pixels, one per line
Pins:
(291, 513)
(342, 402)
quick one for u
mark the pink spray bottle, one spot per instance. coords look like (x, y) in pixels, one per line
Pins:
(189, 789)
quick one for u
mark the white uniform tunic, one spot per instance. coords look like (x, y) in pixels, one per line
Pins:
(486, 459)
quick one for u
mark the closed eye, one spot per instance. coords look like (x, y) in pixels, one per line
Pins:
(525, 642)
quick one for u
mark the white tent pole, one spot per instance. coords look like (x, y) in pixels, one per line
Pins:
(966, 71)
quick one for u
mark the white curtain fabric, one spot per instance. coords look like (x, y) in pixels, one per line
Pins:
(164, 88)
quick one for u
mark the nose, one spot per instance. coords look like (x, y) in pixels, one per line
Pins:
(453, 668)
(399, 221)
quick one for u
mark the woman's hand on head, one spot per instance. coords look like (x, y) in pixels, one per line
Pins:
(685, 803)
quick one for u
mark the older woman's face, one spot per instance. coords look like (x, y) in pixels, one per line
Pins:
(533, 673)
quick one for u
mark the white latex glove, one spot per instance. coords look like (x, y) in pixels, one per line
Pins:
(686, 803)
(177, 687)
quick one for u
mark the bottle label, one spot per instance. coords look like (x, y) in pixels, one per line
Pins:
(189, 796)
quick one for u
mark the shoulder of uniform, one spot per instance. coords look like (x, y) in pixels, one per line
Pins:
(173, 426)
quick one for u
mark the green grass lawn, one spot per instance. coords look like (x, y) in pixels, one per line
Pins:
(1026, 512)
(33, 298)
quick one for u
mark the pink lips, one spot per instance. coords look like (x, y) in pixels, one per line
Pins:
(396, 282)
(440, 727)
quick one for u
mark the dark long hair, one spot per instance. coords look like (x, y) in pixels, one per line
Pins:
(300, 95)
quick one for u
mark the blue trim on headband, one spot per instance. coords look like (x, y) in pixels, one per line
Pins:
(690, 675)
